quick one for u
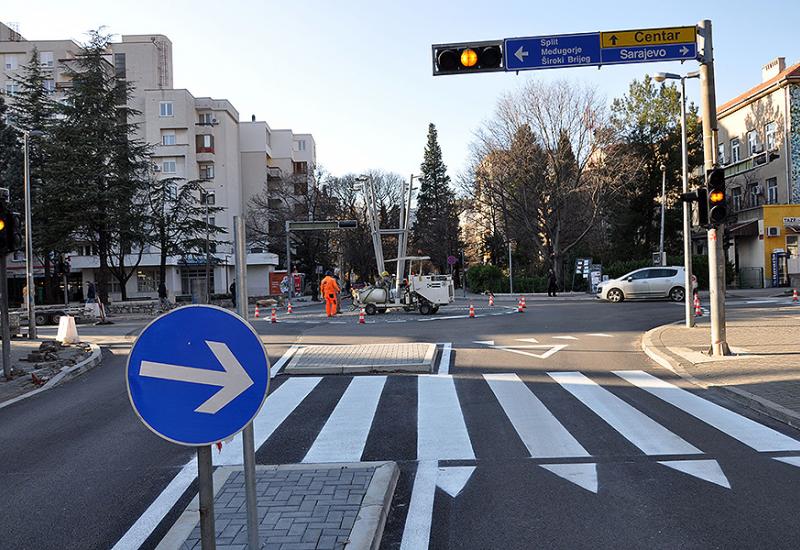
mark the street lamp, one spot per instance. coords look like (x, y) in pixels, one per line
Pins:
(687, 230)
(31, 303)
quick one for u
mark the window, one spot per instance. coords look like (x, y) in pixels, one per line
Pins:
(169, 166)
(146, 281)
(662, 273)
(772, 191)
(300, 167)
(168, 137)
(206, 171)
(165, 109)
(753, 191)
(301, 144)
(205, 143)
(793, 245)
(301, 188)
(737, 199)
(721, 154)
(274, 204)
(735, 150)
(120, 70)
(88, 250)
(11, 62)
(752, 142)
(643, 274)
(206, 119)
(209, 198)
(46, 59)
(770, 132)
(11, 88)
(172, 190)
(49, 86)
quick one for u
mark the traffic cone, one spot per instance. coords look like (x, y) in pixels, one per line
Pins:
(520, 307)
(289, 308)
(523, 303)
(794, 297)
(698, 311)
(471, 311)
(491, 300)
(361, 320)
(274, 317)
(258, 314)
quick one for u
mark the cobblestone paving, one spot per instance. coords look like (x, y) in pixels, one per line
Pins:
(298, 509)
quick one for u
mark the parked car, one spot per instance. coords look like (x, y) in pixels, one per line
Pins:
(648, 282)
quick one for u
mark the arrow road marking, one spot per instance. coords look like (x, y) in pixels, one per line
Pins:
(521, 54)
(234, 380)
(518, 348)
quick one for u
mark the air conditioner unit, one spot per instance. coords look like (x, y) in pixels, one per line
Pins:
(213, 121)
(773, 231)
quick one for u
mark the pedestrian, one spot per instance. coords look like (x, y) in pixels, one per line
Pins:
(162, 295)
(552, 283)
(329, 289)
(232, 290)
(91, 293)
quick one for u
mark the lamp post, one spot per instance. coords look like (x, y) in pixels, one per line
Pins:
(687, 222)
(31, 302)
(661, 261)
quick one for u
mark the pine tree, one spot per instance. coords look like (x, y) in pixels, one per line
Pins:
(435, 230)
(10, 156)
(102, 169)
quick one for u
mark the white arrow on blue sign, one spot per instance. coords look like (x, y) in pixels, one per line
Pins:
(197, 375)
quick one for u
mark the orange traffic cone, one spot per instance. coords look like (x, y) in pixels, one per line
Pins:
(274, 317)
(361, 320)
(289, 308)
(258, 314)
(794, 297)
(491, 300)
(698, 311)
(520, 307)
(471, 311)
(523, 303)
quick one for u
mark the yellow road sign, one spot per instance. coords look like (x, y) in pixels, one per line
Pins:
(648, 37)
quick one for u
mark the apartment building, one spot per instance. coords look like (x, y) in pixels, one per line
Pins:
(759, 146)
(193, 138)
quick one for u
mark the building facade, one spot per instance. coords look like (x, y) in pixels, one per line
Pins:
(759, 147)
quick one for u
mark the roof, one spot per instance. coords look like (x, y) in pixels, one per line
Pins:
(789, 72)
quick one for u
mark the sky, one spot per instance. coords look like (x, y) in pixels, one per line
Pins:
(357, 74)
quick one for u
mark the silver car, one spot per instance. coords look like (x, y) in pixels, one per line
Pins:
(648, 282)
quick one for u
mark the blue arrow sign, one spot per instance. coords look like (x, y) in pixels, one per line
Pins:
(550, 52)
(649, 54)
(197, 375)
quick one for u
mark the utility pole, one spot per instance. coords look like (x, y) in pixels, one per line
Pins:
(661, 261)
(31, 303)
(687, 209)
(716, 256)
(510, 271)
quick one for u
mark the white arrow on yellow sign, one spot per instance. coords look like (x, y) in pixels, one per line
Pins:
(648, 37)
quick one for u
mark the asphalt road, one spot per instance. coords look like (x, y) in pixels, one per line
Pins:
(526, 439)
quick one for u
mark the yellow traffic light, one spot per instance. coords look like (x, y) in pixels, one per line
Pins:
(716, 196)
(469, 58)
(2, 224)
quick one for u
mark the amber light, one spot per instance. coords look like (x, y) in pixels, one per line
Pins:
(716, 196)
(469, 58)
(2, 225)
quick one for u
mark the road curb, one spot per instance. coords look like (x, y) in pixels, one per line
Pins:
(759, 404)
(368, 528)
(67, 373)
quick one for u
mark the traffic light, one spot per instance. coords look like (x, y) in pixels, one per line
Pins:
(7, 230)
(700, 196)
(468, 57)
(717, 208)
(347, 224)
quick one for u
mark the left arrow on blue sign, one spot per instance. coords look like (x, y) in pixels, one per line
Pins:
(197, 375)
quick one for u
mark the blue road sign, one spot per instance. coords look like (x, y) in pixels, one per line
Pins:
(197, 375)
(649, 54)
(550, 52)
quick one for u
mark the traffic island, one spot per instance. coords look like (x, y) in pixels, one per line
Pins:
(319, 506)
(363, 359)
(764, 371)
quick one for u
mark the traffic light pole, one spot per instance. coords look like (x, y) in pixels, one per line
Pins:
(716, 256)
(4, 318)
(31, 304)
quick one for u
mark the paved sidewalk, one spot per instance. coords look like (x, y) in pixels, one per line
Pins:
(300, 506)
(408, 357)
(764, 371)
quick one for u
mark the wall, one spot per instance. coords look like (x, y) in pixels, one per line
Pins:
(773, 216)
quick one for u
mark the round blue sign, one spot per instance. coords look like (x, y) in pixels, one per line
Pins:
(197, 375)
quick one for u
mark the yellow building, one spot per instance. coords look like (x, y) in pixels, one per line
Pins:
(759, 146)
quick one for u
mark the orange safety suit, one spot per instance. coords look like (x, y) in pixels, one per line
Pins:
(329, 289)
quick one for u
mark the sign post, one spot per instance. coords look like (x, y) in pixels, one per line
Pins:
(198, 375)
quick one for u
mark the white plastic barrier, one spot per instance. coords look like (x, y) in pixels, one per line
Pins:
(67, 331)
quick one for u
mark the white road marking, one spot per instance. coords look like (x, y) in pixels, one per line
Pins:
(417, 530)
(551, 350)
(453, 479)
(279, 364)
(279, 405)
(641, 430)
(539, 430)
(531, 340)
(344, 435)
(749, 432)
(600, 335)
(441, 431)
(444, 362)
(582, 475)
(793, 460)
(564, 338)
(708, 470)
(484, 342)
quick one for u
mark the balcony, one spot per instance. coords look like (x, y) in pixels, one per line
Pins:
(274, 173)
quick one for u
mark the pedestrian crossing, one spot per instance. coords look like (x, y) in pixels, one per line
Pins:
(434, 417)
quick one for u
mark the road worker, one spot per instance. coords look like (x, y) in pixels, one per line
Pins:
(329, 289)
